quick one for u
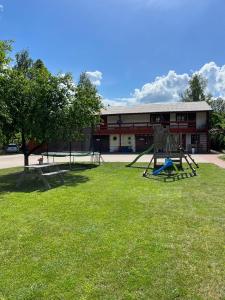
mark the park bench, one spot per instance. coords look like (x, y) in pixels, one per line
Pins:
(38, 171)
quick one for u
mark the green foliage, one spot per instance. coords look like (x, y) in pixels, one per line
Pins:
(23, 61)
(218, 105)
(217, 132)
(87, 102)
(217, 121)
(43, 107)
(83, 110)
(196, 90)
(5, 48)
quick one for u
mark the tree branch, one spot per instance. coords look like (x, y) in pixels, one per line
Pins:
(36, 148)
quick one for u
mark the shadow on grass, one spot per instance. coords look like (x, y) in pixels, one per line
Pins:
(8, 181)
(136, 167)
(169, 178)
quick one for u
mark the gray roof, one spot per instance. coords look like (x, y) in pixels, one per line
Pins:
(155, 108)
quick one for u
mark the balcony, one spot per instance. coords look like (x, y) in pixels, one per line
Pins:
(147, 127)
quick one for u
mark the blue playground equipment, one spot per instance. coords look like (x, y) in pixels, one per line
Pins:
(166, 146)
(168, 163)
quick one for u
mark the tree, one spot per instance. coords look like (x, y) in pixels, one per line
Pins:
(35, 103)
(84, 109)
(217, 132)
(42, 107)
(23, 61)
(5, 48)
(87, 102)
(218, 105)
(196, 90)
(217, 121)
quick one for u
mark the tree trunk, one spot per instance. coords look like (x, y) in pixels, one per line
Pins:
(36, 148)
(25, 150)
(26, 159)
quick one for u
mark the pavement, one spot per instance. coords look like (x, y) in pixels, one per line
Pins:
(16, 160)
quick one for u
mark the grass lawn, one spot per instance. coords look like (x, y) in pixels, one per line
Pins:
(222, 157)
(109, 233)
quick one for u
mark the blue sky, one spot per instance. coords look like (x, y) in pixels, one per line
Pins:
(143, 50)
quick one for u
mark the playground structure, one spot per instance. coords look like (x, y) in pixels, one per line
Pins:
(166, 146)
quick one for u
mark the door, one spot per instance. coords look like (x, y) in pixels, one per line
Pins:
(143, 142)
(101, 143)
(183, 141)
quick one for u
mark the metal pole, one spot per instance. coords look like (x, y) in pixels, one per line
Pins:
(70, 152)
(47, 154)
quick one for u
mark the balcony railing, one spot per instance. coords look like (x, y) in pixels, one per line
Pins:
(147, 125)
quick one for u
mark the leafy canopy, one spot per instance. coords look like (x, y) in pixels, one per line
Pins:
(196, 90)
(42, 106)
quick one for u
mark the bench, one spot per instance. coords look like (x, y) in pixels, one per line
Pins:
(55, 173)
(38, 170)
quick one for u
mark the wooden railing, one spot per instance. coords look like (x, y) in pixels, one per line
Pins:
(145, 125)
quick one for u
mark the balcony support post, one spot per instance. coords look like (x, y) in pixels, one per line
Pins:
(120, 122)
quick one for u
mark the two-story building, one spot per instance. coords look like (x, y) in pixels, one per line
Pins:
(130, 129)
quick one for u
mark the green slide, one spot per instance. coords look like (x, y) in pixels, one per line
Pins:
(147, 151)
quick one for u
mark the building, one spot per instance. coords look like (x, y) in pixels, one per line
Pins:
(130, 129)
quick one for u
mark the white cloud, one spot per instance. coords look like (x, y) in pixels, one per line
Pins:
(95, 77)
(215, 76)
(119, 101)
(1, 8)
(168, 88)
(163, 88)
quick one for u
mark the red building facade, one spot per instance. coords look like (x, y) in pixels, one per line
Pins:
(130, 129)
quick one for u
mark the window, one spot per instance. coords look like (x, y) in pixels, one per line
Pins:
(191, 116)
(181, 117)
(195, 139)
(155, 118)
(165, 117)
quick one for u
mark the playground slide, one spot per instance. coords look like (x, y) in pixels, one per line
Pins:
(147, 151)
(168, 163)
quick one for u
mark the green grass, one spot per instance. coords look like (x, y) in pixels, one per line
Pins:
(109, 233)
(222, 157)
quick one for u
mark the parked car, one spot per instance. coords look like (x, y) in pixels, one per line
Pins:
(12, 148)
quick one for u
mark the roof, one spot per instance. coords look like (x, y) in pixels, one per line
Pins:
(156, 108)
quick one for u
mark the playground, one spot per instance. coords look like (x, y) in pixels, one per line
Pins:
(10, 161)
(109, 233)
(113, 230)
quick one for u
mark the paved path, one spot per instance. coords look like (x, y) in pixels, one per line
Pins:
(10, 161)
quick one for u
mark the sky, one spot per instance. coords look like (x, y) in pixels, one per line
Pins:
(134, 51)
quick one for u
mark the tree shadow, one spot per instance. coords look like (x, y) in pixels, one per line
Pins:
(8, 181)
(136, 167)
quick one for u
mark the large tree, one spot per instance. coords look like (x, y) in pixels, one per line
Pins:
(5, 48)
(42, 106)
(196, 90)
(217, 120)
(218, 105)
(84, 109)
